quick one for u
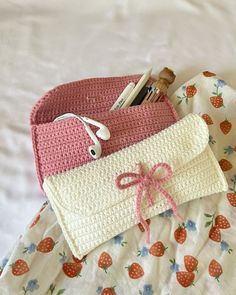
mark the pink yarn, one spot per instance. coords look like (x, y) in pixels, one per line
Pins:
(145, 182)
(60, 146)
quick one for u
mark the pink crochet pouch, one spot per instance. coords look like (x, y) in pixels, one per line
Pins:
(63, 145)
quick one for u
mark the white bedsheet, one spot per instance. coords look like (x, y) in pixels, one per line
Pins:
(43, 44)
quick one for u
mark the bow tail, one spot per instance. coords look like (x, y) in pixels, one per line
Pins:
(138, 211)
(171, 201)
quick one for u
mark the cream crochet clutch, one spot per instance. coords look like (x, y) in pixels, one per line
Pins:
(91, 209)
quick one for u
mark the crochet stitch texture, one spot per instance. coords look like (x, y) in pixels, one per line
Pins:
(60, 146)
(91, 210)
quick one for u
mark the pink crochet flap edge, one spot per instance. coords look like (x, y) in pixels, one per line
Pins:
(63, 145)
(88, 96)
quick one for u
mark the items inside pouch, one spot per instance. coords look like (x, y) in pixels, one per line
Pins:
(146, 90)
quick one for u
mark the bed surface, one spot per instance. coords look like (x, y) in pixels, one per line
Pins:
(43, 45)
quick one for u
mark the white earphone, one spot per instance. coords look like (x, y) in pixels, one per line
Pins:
(103, 132)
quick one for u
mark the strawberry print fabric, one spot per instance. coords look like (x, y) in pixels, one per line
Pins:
(194, 257)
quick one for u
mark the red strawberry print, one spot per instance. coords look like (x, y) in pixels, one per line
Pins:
(46, 245)
(191, 90)
(208, 74)
(190, 263)
(225, 165)
(214, 234)
(37, 218)
(105, 261)
(72, 269)
(225, 126)
(207, 119)
(19, 267)
(232, 198)
(222, 222)
(77, 260)
(141, 226)
(180, 234)
(135, 271)
(157, 249)
(232, 195)
(185, 278)
(43, 206)
(217, 101)
(108, 291)
(35, 221)
(215, 269)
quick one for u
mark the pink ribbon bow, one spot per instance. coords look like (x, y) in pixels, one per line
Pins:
(146, 182)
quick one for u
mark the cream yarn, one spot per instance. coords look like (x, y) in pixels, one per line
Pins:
(91, 210)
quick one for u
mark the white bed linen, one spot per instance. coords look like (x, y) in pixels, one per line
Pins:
(43, 44)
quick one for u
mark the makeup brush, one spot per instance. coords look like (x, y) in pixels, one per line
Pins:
(160, 87)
